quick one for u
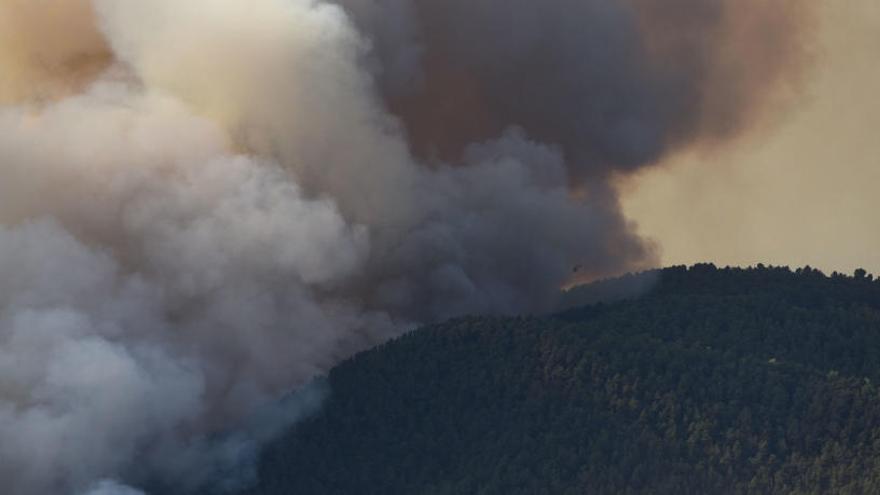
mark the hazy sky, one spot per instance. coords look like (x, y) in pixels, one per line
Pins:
(804, 190)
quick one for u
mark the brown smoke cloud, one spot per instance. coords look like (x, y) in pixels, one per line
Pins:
(617, 85)
(206, 204)
(48, 49)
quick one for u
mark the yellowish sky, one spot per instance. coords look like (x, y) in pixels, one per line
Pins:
(805, 192)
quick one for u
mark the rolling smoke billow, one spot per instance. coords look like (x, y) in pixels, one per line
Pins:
(206, 204)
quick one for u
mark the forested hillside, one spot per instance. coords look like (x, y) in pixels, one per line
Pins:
(713, 381)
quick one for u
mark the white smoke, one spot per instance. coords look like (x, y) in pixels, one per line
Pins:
(204, 205)
(110, 487)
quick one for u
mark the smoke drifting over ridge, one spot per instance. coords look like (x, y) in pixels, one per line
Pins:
(205, 204)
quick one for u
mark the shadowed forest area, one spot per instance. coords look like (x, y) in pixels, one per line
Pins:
(712, 380)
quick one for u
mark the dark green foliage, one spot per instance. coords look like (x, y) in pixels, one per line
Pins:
(714, 381)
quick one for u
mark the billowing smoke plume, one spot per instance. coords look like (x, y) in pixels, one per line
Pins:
(205, 204)
(615, 83)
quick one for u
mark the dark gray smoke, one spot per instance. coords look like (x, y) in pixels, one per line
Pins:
(617, 84)
(206, 204)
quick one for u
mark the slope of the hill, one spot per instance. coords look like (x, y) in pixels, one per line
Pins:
(713, 381)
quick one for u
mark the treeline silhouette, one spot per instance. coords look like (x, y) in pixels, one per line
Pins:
(759, 380)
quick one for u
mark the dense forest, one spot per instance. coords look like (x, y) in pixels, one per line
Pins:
(760, 380)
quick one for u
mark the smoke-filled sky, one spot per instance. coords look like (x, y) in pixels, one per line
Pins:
(206, 204)
(805, 189)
